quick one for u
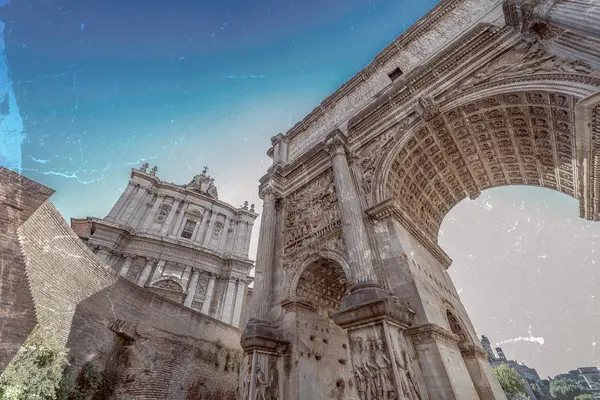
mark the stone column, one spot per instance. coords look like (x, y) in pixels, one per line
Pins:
(264, 257)
(137, 217)
(238, 303)
(189, 297)
(209, 230)
(579, 16)
(103, 255)
(152, 214)
(200, 233)
(175, 229)
(208, 297)
(158, 271)
(125, 267)
(227, 312)
(133, 204)
(115, 211)
(236, 231)
(169, 220)
(143, 279)
(247, 238)
(223, 241)
(238, 247)
(360, 255)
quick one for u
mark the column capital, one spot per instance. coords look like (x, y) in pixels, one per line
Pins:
(150, 260)
(268, 192)
(336, 144)
(279, 138)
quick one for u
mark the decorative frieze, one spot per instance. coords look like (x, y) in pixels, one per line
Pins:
(432, 333)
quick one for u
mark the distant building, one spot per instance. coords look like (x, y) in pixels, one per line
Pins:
(179, 241)
(530, 375)
(591, 376)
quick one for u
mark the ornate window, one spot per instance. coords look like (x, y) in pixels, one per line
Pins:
(163, 211)
(188, 229)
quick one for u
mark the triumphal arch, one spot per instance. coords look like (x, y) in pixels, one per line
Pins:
(352, 298)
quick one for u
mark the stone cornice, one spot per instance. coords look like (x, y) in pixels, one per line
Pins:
(432, 333)
(391, 208)
(131, 236)
(473, 351)
(388, 308)
(183, 193)
(290, 305)
(414, 31)
(444, 66)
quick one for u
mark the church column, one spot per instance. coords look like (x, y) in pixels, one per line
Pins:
(247, 239)
(189, 297)
(126, 265)
(116, 210)
(579, 16)
(178, 221)
(227, 311)
(223, 242)
(133, 204)
(199, 237)
(239, 302)
(209, 293)
(234, 238)
(103, 255)
(169, 220)
(152, 214)
(209, 230)
(158, 271)
(143, 279)
(360, 255)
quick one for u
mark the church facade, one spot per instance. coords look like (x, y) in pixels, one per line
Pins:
(179, 241)
(353, 299)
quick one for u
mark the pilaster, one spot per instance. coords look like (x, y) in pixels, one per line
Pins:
(177, 226)
(167, 225)
(209, 294)
(152, 214)
(126, 266)
(191, 291)
(145, 275)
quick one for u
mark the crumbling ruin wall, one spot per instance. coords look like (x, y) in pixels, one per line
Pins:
(150, 347)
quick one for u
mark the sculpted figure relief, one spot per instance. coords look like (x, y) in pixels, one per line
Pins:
(528, 58)
(373, 370)
(261, 384)
(310, 210)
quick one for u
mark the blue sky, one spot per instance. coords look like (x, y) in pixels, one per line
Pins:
(103, 85)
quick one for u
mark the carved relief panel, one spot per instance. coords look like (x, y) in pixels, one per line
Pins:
(381, 364)
(260, 376)
(163, 212)
(311, 212)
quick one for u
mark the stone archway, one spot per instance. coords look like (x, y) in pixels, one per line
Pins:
(319, 346)
(468, 99)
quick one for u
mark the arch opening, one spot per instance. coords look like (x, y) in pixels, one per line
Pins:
(320, 346)
(512, 138)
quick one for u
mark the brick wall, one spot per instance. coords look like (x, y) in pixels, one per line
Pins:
(19, 198)
(169, 352)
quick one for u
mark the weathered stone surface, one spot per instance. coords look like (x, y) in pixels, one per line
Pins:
(475, 95)
(147, 346)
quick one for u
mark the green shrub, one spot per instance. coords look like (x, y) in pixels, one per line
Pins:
(36, 372)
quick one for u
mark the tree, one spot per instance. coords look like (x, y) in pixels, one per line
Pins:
(36, 371)
(510, 381)
(565, 389)
(586, 396)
